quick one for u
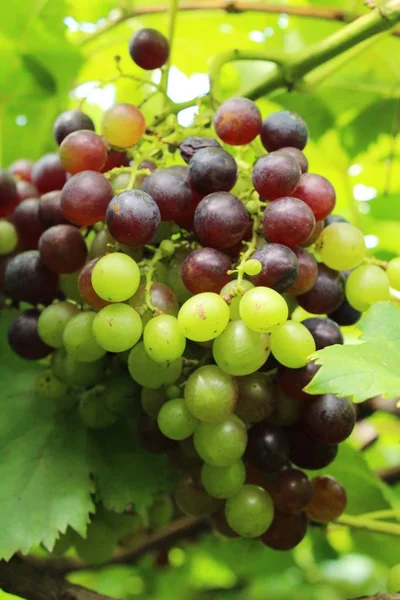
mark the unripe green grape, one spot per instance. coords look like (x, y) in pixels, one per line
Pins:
(262, 308)
(234, 301)
(98, 546)
(172, 391)
(203, 317)
(161, 512)
(223, 482)
(175, 420)
(221, 444)
(393, 584)
(121, 395)
(49, 388)
(8, 237)
(252, 207)
(240, 350)
(393, 272)
(93, 411)
(167, 247)
(366, 285)
(69, 286)
(292, 344)
(117, 327)
(192, 499)
(211, 394)
(152, 400)
(79, 340)
(163, 339)
(74, 372)
(252, 267)
(53, 320)
(250, 511)
(115, 277)
(150, 374)
(341, 246)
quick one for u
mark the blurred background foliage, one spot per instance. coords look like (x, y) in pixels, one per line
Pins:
(56, 54)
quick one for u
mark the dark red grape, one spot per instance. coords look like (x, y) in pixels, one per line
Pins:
(63, 249)
(220, 220)
(345, 314)
(27, 279)
(288, 221)
(24, 339)
(83, 151)
(238, 121)
(70, 121)
(267, 448)
(282, 129)
(212, 170)
(334, 219)
(186, 218)
(151, 438)
(326, 295)
(48, 174)
(324, 331)
(27, 223)
(318, 193)
(286, 531)
(149, 49)
(8, 194)
(133, 218)
(293, 381)
(319, 225)
(328, 501)
(329, 419)
(85, 197)
(307, 453)
(276, 175)
(116, 159)
(307, 275)
(205, 270)
(298, 155)
(22, 169)
(290, 491)
(193, 144)
(50, 211)
(280, 267)
(170, 191)
(26, 189)
(86, 290)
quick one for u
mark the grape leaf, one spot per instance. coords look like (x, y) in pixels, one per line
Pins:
(365, 370)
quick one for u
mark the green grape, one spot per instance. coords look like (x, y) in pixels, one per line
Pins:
(8, 237)
(234, 301)
(51, 389)
(262, 308)
(161, 511)
(116, 277)
(240, 350)
(393, 272)
(341, 246)
(292, 344)
(223, 482)
(74, 372)
(366, 285)
(53, 320)
(175, 420)
(252, 267)
(253, 207)
(68, 283)
(117, 327)
(173, 391)
(393, 584)
(167, 247)
(250, 511)
(93, 411)
(98, 547)
(192, 499)
(221, 444)
(121, 395)
(211, 394)
(174, 277)
(79, 340)
(163, 339)
(203, 317)
(152, 400)
(150, 374)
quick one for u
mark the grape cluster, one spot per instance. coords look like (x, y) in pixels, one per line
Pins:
(163, 280)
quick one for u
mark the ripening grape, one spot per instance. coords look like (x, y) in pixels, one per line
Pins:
(262, 308)
(115, 277)
(221, 444)
(286, 531)
(276, 175)
(328, 501)
(175, 420)
(318, 193)
(163, 339)
(133, 218)
(238, 121)
(123, 125)
(250, 511)
(288, 221)
(232, 293)
(220, 220)
(86, 290)
(206, 270)
(85, 197)
(280, 267)
(211, 394)
(366, 285)
(239, 350)
(23, 336)
(283, 128)
(393, 272)
(223, 482)
(150, 374)
(8, 194)
(83, 150)
(70, 121)
(191, 497)
(149, 49)
(292, 344)
(8, 237)
(117, 327)
(63, 249)
(256, 399)
(329, 419)
(161, 297)
(48, 174)
(53, 320)
(212, 170)
(341, 246)
(79, 340)
(21, 169)
(203, 317)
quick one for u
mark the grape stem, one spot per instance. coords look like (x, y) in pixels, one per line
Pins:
(370, 260)
(251, 248)
(173, 13)
(382, 514)
(368, 524)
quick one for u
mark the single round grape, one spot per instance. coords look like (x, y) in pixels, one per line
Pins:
(250, 511)
(232, 293)
(27, 223)
(121, 395)
(74, 372)
(63, 249)
(193, 144)
(393, 584)
(293, 381)
(307, 275)
(123, 125)
(85, 197)
(148, 373)
(366, 285)
(115, 277)
(307, 453)
(211, 394)
(256, 398)
(27, 279)
(152, 400)
(8, 194)
(170, 191)
(252, 267)
(267, 448)
(149, 49)
(48, 174)
(86, 290)
(25, 190)
(276, 175)
(329, 419)
(221, 444)
(288, 221)
(286, 531)
(203, 317)
(292, 344)
(290, 491)
(79, 340)
(393, 272)
(23, 336)
(318, 193)
(220, 220)
(162, 298)
(238, 121)
(9, 237)
(175, 420)
(50, 212)
(151, 438)
(341, 246)
(83, 150)
(206, 270)
(163, 339)
(53, 320)
(298, 155)
(262, 308)
(280, 267)
(21, 169)
(70, 121)
(93, 411)
(327, 293)
(212, 170)
(173, 391)
(223, 482)
(117, 327)
(49, 388)
(239, 350)
(324, 331)
(283, 128)
(192, 499)
(345, 314)
(328, 500)
(133, 218)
